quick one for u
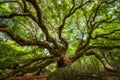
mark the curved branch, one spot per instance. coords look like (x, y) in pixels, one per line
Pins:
(41, 23)
(23, 42)
(107, 66)
(28, 13)
(39, 17)
(76, 55)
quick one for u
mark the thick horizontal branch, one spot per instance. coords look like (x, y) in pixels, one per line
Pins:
(22, 65)
(20, 41)
(34, 60)
(30, 69)
(34, 67)
(27, 12)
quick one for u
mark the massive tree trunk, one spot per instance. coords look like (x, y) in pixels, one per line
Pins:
(63, 61)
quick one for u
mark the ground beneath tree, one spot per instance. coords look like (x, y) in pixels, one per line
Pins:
(84, 77)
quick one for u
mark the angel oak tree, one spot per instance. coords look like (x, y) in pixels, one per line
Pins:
(55, 25)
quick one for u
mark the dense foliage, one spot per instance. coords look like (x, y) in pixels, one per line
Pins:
(36, 34)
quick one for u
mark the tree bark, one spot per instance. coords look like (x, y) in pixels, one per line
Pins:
(63, 61)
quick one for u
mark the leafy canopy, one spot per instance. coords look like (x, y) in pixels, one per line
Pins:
(60, 31)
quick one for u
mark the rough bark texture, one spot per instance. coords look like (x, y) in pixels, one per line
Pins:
(69, 74)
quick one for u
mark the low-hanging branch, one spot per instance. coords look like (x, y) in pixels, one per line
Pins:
(26, 70)
(35, 59)
(29, 62)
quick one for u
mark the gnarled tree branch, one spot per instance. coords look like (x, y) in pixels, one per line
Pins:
(107, 66)
(25, 70)
(23, 42)
(39, 17)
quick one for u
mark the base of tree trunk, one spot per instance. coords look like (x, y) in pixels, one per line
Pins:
(66, 74)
